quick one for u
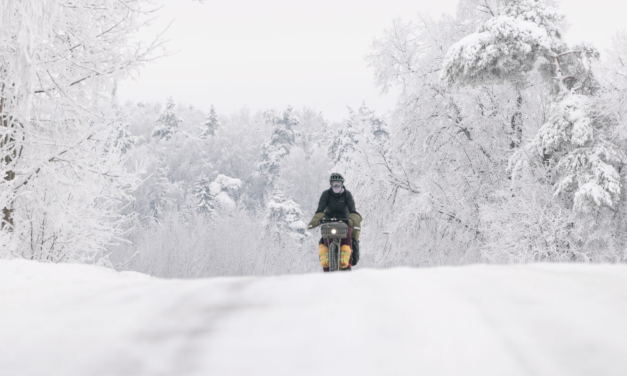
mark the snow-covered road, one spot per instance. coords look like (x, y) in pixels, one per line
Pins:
(66, 320)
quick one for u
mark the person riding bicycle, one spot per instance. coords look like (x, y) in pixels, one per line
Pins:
(338, 202)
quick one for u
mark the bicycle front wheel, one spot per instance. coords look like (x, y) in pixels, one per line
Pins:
(334, 257)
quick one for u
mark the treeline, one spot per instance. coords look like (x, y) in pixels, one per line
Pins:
(232, 194)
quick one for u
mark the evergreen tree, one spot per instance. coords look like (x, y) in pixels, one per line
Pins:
(204, 197)
(167, 122)
(124, 140)
(375, 127)
(346, 139)
(363, 125)
(210, 126)
(280, 143)
(586, 160)
(312, 131)
(159, 195)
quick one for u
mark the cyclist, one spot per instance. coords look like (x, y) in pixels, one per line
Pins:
(338, 202)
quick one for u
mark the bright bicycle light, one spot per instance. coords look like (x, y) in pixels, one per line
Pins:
(333, 231)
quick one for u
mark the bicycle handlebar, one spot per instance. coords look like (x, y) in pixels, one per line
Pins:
(331, 220)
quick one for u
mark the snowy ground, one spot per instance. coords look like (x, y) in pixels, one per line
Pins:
(78, 320)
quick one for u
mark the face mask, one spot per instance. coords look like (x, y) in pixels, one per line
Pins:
(337, 189)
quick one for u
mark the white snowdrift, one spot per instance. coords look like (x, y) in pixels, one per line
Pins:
(479, 320)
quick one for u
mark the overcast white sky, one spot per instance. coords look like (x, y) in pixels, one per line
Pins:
(271, 53)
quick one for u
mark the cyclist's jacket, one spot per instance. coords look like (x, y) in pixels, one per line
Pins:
(338, 205)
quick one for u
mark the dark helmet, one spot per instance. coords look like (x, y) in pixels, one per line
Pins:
(336, 177)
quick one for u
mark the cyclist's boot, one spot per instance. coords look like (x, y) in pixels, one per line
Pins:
(345, 256)
(324, 256)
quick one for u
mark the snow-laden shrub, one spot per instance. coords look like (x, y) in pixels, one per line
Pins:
(284, 219)
(224, 190)
(231, 243)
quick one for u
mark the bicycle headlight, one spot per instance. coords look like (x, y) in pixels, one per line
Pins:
(333, 231)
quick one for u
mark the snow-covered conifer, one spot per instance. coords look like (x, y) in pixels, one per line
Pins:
(160, 195)
(124, 139)
(202, 193)
(313, 131)
(361, 126)
(209, 126)
(374, 125)
(167, 122)
(586, 160)
(345, 139)
(281, 141)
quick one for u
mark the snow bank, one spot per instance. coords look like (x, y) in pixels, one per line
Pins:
(478, 320)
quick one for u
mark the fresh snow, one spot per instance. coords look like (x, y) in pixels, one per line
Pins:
(543, 319)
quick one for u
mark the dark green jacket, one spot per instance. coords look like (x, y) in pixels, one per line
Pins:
(338, 205)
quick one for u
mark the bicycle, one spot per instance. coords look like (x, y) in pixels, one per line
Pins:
(334, 229)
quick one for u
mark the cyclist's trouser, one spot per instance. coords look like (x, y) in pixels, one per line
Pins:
(345, 251)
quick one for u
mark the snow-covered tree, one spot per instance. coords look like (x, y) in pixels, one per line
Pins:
(202, 193)
(278, 146)
(312, 131)
(284, 218)
(224, 191)
(447, 149)
(210, 126)
(508, 47)
(61, 183)
(375, 128)
(586, 159)
(167, 122)
(345, 139)
(124, 139)
(520, 36)
(361, 125)
(160, 195)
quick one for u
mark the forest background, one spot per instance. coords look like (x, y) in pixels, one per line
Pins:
(506, 145)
